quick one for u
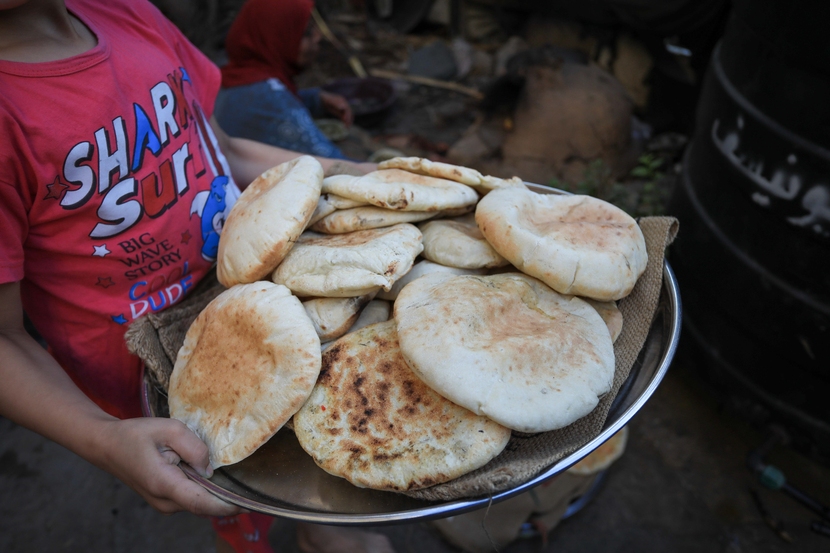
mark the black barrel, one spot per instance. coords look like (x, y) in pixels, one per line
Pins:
(753, 255)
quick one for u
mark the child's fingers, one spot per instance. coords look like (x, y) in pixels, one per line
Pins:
(189, 447)
(145, 453)
(197, 500)
(178, 493)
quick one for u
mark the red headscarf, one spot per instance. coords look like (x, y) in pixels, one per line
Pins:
(264, 42)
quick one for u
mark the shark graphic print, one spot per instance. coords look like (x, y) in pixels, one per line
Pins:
(136, 176)
(113, 189)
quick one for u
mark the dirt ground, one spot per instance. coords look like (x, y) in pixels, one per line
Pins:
(681, 486)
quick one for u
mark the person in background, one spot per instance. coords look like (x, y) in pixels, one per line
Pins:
(268, 44)
(115, 181)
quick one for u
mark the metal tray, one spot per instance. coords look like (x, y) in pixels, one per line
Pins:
(281, 479)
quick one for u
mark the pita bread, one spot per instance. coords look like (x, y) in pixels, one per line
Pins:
(402, 190)
(507, 347)
(577, 245)
(376, 311)
(489, 183)
(364, 218)
(348, 265)
(420, 269)
(611, 314)
(457, 211)
(339, 202)
(458, 243)
(371, 421)
(333, 317)
(266, 220)
(248, 363)
(328, 204)
(422, 166)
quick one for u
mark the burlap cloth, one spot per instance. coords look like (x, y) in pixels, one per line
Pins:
(156, 339)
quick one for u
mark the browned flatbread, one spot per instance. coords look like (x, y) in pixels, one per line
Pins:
(422, 166)
(402, 190)
(365, 218)
(371, 421)
(458, 242)
(575, 244)
(506, 346)
(350, 264)
(333, 317)
(267, 219)
(247, 364)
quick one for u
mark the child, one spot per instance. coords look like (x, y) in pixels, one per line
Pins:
(114, 184)
(269, 43)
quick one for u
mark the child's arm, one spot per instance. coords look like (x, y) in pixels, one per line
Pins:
(249, 159)
(143, 453)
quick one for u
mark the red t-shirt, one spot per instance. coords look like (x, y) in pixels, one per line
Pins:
(112, 189)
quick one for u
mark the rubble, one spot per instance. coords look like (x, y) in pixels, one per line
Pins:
(567, 117)
(547, 99)
(435, 60)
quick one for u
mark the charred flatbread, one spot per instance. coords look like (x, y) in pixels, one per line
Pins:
(371, 421)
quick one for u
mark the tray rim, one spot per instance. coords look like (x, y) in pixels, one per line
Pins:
(432, 510)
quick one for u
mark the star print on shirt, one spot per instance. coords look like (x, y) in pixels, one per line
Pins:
(120, 319)
(105, 282)
(186, 237)
(56, 190)
(101, 251)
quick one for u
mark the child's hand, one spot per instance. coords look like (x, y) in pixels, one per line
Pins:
(337, 106)
(144, 454)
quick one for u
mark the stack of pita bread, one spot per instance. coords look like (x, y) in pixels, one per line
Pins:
(451, 309)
